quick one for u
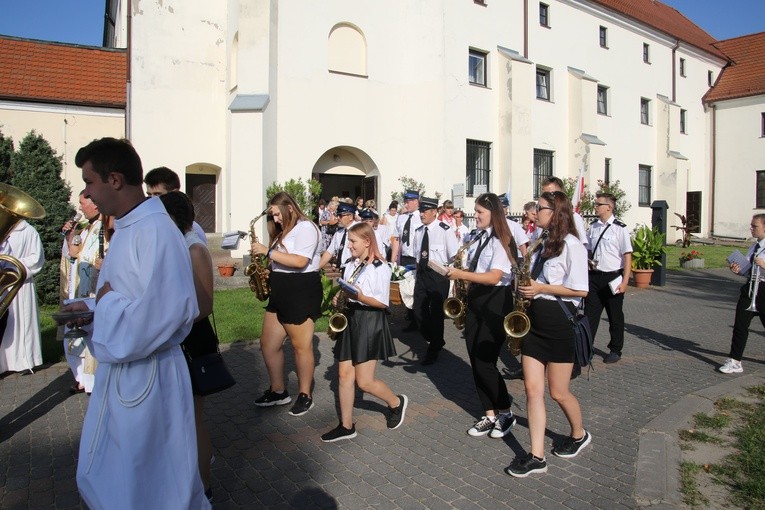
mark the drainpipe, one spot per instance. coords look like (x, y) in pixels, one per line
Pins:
(713, 169)
(128, 85)
(674, 71)
(525, 28)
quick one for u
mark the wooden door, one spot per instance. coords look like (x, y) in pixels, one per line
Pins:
(201, 190)
(693, 211)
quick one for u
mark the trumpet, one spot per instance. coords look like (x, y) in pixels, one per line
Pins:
(754, 286)
(258, 270)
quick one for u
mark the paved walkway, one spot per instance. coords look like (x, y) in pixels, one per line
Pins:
(676, 336)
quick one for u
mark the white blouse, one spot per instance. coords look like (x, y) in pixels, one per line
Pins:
(568, 269)
(374, 280)
(493, 256)
(302, 240)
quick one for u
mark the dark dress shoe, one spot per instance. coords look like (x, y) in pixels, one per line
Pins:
(515, 374)
(430, 358)
(612, 357)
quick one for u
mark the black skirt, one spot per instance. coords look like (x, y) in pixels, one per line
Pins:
(295, 297)
(551, 338)
(367, 336)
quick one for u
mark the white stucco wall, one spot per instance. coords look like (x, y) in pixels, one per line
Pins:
(740, 153)
(66, 128)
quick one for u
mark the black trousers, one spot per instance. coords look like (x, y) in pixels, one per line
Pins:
(430, 291)
(484, 338)
(744, 319)
(600, 297)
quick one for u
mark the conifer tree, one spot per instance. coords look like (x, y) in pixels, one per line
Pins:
(36, 170)
(6, 154)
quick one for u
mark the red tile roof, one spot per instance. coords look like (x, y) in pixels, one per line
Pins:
(62, 73)
(665, 19)
(745, 75)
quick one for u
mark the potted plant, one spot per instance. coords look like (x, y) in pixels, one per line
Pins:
(647, 248)
(226, 269)
(691, 260)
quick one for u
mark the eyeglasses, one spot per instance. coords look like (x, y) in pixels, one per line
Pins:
(541, 207)
(598, 204)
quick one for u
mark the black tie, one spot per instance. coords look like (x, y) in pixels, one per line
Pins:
(481, 246)
(424, 251)
(407, 226)
(340, 249)
(754, 252)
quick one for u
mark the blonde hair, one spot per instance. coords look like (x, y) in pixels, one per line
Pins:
(366, 232)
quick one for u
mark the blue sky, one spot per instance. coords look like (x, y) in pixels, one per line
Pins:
(82, 21)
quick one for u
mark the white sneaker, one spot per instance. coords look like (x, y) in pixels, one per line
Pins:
(731, 366)
(482, 426)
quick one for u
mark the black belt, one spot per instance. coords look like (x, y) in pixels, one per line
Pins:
(358, 306)
(597, 271)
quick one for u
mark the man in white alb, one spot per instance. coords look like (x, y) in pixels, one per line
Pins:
(138, 446)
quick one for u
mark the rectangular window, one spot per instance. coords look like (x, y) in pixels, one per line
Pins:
(602, 100)
(544, 15)
(760, 189)
(762, 124)
(477, 67)
(543, 84)
(682, 67)
(645, 107)
(603, 37)
(477, 166)
(644, 186)
(607, 172)
(682, 120)
(646, 53)
(710, 78)
(543, 168)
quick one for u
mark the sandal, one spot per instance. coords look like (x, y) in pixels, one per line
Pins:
(75, 389)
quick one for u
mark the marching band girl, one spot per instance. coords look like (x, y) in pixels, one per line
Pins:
(367, 338)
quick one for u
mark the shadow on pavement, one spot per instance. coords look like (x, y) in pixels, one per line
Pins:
(35, 407)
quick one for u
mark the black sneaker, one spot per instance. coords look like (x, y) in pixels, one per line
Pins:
(502, 425)
(339, 433)
(523, 467)
(571, 447)
(302, 404)
(482, 427)
(396, 416)
(270, 398)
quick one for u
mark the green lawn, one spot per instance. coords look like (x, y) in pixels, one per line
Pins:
(714, 255)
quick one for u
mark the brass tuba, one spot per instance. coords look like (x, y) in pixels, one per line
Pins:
(258, 269)
(454, 307)
(516, 323)
(15, 205)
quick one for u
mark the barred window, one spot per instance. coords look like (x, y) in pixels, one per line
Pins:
(543, 168)
(760, 189)
(477, 165)
(644, 185)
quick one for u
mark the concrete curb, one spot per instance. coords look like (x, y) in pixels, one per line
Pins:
(657, 481)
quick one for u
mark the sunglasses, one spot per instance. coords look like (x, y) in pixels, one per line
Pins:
(542, 207)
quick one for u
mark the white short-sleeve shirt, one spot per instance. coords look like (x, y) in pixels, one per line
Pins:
(493, 256)
(568, 269)
(302, 240)
(373, 280)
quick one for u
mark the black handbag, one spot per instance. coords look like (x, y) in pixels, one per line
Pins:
(584, 348)
(209, 373)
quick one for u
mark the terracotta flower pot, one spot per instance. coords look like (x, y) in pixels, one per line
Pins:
(395, 294)
(642, 277)
(226, 270)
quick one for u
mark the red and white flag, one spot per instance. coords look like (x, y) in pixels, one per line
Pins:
(578, 189)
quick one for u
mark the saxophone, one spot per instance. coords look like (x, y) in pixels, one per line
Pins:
(454, 307)
(516, 323)
(258, 269)
(338, 321)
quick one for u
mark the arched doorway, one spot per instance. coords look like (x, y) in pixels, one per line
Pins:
(347, 172)
(201, 187)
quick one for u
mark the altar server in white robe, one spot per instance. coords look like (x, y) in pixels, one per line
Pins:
(20, 348)
(138, 445)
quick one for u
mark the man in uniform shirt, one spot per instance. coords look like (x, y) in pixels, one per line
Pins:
(611, 258)
(402, 246)
(433, 240)
(338, 249)
(743, 317)
(555, 184)
(382, 233)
